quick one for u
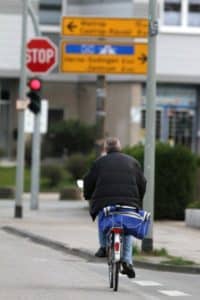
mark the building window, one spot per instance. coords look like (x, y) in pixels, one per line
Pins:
(194, 13)
(181, 13)
(5, 95)
(50, 12)
(158, 122)
(181, 126)
(172, 14)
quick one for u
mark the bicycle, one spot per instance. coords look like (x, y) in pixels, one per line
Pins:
(114, 250)
(119, 220)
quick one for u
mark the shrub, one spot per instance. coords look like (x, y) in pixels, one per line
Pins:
(90, 158)
(198, 161)
(137, 152)
(195, 204)
(53, 173)
(175, 171)
(2, 153)
(70, 193)
(77, 165)
(70, 136)
(175, 178)
(7, 193)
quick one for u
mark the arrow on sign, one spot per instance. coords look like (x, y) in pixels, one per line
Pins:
(143, 58)
(71, 26)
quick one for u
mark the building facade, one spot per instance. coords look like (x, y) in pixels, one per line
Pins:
(10, 47)
(177, 71)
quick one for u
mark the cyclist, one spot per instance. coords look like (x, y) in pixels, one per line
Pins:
(115, 178)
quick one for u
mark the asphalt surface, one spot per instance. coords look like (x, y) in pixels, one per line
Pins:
(30, 271)
(66, 224)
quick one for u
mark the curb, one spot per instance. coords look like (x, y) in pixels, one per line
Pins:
(89, 256)
(167, 268)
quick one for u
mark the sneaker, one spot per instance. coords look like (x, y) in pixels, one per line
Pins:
(128, 270)
(101, 252)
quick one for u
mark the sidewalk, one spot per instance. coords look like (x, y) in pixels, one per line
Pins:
(68, 223)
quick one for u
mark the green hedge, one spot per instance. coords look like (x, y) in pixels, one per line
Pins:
(2, 153)
(195, 205)
(68, 137)
(7, 192)
(53, 173)
(175, 171)
(70, 193)
(78, 164)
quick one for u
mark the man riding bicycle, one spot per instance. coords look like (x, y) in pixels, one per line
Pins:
(115, 179)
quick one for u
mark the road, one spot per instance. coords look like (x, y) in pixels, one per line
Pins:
(30, 271)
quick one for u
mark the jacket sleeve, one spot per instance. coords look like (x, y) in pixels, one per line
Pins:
(90, 182)
(141, 182)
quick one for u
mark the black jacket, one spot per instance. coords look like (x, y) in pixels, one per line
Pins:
(115, 178)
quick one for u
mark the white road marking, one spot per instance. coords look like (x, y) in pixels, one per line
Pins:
(147, 283)
(173, 293)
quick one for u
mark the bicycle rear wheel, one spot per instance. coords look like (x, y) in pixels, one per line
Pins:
(116, 267)
(110, 265)
(110, 274)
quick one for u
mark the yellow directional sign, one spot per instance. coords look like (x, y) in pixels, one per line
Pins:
(101, 58)
(105, 27)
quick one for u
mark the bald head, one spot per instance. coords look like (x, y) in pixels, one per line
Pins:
(112, 144)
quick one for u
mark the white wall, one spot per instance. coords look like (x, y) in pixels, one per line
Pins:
(178, 57)
(10, 36)
(101, 8)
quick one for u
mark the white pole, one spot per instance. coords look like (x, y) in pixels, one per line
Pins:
(36, 145)
(64, 7)
(149, 155)
(21, 137)
(35, 165)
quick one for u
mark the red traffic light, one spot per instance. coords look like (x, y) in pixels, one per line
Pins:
(34, 84)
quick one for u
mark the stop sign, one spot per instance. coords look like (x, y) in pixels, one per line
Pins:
(41, 55)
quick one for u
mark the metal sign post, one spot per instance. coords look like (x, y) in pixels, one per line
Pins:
(35, 170)
(20, 141)
(36, 124)
(100, 112)
(149, 159)
(42, 57)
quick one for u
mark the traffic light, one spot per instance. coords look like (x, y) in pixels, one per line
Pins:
(34, 85)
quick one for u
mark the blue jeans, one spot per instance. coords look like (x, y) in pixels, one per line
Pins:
(127, 252)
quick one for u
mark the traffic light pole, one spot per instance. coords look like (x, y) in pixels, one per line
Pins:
(21, 137)
(35, 164)
(35, 170)
(149, 156)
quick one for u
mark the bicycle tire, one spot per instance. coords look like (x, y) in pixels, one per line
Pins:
(110, 266)
(110, 274)
(116, 267)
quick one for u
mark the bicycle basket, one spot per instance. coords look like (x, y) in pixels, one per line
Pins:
(137, 224)
(134, 223)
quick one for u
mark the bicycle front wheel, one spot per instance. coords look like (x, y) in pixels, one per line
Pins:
(116, 267)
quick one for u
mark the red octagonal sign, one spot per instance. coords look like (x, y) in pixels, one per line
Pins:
(41, 55)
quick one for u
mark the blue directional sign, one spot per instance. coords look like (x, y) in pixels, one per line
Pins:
(99, 49)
